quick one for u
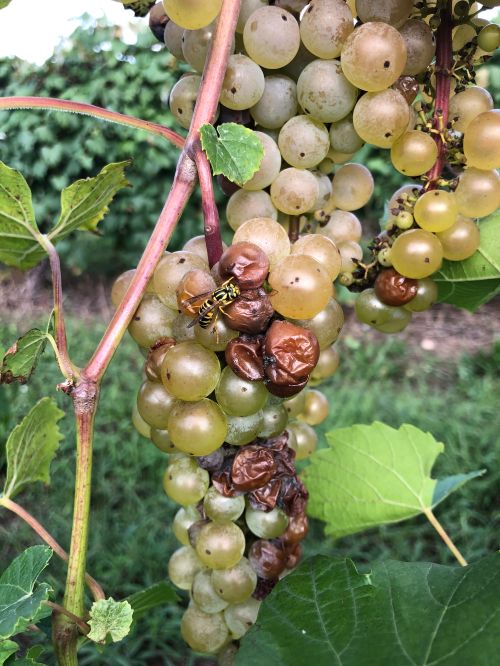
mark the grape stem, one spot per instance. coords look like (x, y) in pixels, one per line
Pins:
(294, 229)
(83, 626)
(444, 536)
(211, 222)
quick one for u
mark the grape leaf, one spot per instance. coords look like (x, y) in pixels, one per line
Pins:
(31, 656)
(235, 153)
(403, 613)
(156, 595)
(371, 475)
(475, 281)
(108, 616)
(21, 597)
(31, 447)
(18, 228)
(4, 3)
(139, 7)
(85, 202)
(20, 360)
(449, 484)
(7, 648)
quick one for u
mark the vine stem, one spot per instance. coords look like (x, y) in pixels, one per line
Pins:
(211, 222)
(444, 536)
(92, 584)
(54, 104)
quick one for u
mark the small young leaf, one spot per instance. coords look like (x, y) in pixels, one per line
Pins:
(236, 153)
(156, 595)
(20, 360)
(449, 484)
(85, 202)
(108, 616)
(139, 7)
(475, 281)
(372, 475)
(18, 229)
(7, 648)
(20, 596)
(412, 614)
(31, 447)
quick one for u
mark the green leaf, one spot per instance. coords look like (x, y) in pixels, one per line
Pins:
(18, 229)
(475, 281)
(31, 447)
(108, 616)
(21, 359)
(4, 3)
(449, 484)
(372, 475)
(7, 648)
(85, 202)
(139, 7)
(156, 595)
(20, 596)
(236, 152)
(413, 614)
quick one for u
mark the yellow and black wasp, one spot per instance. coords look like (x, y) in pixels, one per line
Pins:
(216, 301)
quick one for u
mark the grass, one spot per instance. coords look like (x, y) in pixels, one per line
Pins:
(130, 539)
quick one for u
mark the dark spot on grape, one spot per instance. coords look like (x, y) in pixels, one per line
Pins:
(137, 319)
(284, 17)
(244, 389)
(221, 591)
(170, 477)
(302, 154)
(179, 111)
(436, 194)
(208, 552)
(297, 279)
(388, 134)
(426, 260)
(182, 260)
(387, 64)
(233, 90)
(310, 9)
(168, 375)
(306, 110)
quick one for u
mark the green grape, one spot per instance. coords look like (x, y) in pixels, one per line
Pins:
(269, 167)
(189, 371)
(266, 524)
(243, 206)
(240, 617)
(342, 227)
(151, 321)
(192, 14)
(243, 83)
(195, 45)
(427, 295)
(183, 519)
(436, 211)
(373, 56)
(161, 439)
(121, 284)
(305, 441)
(220, 545)
(243, 429)
(222, 509)
(384, 257)
(326, 366)
(482, 141)
(154, 404)
(467, 105)
(296, 405)
(294, 191)
(183, 566)
(420, 46)
(370, 310)
(303, 142)
(183, 98)
(278, 102)
(197, 428)
(417, 254)
(414, 153)
(461, 240)
(478, 192)
(170, 271)
(301, 286)
(268, 234)
(204, 632)
(398, 320)
(325, 27)
(321, 248)
(324, 92)
(197, 245)
(274, 420)
(247, 8)
(386, 11)
(235, 584)
(185, 481)
(271, 37)
(143, 428)
(489, 38)
(316, 408)
(216, 336)
(381, 117)
(352, 187)
(181, 329)
(343, 136)
(240, 397)
(326, 324)
(404, 220)
(204, 594)
(350, 253)
(173, 39)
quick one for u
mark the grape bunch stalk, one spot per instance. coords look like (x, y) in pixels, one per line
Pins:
(236, 337)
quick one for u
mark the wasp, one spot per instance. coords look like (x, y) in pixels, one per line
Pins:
(216, 301)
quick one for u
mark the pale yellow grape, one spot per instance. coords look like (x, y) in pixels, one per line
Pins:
(352, 187)
(381, 117)
(122, 283)
(328, 362)
(183, 566)
(467, 105)
(197, 428)
(324, 191)
(172, 37)
(316, 408)
(294, 191)
(278, 102)
(482, 141)
(420, 46)
(417, 254)
(398, 320)
(350, 252)
(302, 287)
(266, 524)
(462, 35)
(342, 226)
(244, 205)
(268, 234)
(235, 584)
(306, 439)
(240, 617)
(161, 439)
(220, 545)
(343, 136)
(195, 45)
(192, 14)
(154, 404)
(324, 92)
(321, 248)
(461, 240)
(489, 38)
(394, 12)
(197, 245)
(246, 9)
(427, 295)
(414, 153)
(182, 329)
(271, 37)
(204, 595)
(169, 272)
(243, 83)
(373, 56)
(269, 167)
(325, 26)
(295, 406)
(243, 429)
(436, 210)
(295, 68)
(274, 420)
(204, 632)
(183, 519)
(185, 481)
(151, 321)
(338, 158)
(216, 336)
(303, 142)
(478, 192)
(189, 371)
(220, 508)
(143, 428)
(183, 98)
(238, 396)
